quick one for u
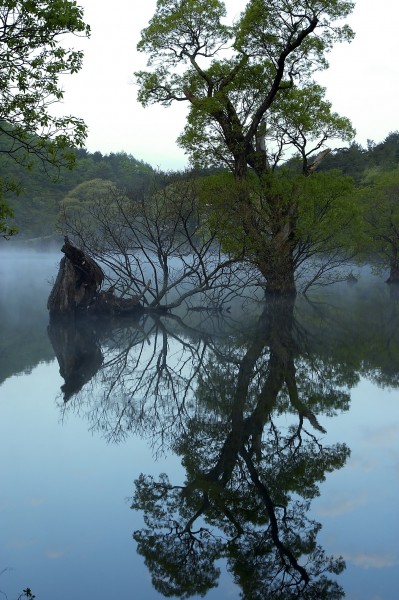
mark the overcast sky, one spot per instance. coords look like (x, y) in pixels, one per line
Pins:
(362, 81)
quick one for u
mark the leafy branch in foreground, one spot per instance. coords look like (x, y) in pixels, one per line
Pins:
(33, 58)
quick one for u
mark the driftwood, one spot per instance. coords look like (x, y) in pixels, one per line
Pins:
(77, 288)
(317, 161)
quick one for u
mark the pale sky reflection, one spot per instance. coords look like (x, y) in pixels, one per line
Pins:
(342, 506)
(372, 561)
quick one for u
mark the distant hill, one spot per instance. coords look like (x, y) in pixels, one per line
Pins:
(356, 161)
(37, 206)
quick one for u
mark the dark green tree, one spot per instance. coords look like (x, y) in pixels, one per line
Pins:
(386, 153)
(380, 204)
(33, 58)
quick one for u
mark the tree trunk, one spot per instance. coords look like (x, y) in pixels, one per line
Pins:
(77, 289)
(276, 261)
(78, 280)
(271, 239)
(393, 274)
(279, 275)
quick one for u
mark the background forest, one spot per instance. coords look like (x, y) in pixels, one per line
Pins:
(39, 199)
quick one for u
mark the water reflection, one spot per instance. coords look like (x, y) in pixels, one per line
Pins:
(245, 410)
(78, 352)
(249, 481)
(23, 314)
(242, 399)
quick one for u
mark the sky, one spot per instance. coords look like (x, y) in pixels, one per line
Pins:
(362, 81)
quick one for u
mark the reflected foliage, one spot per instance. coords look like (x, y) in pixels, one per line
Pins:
(244, 401)
(249, 480)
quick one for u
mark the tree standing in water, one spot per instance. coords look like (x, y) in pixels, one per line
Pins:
(252, 103)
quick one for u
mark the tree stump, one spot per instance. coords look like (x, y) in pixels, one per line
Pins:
(78, 281)
(77, 289)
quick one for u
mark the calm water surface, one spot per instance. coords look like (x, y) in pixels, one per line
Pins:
(251, 454)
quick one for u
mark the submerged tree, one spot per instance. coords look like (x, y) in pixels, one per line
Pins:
(33, 58)
(156, 244)
(252, 102)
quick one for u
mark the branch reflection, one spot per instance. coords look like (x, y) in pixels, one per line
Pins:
(250, 475)
(245, 410)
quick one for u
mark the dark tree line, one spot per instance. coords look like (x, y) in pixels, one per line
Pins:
(37, 206)
(356, 160)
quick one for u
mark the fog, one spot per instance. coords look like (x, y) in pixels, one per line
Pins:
(26, 279)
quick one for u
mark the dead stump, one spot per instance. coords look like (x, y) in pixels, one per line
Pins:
(77, 289)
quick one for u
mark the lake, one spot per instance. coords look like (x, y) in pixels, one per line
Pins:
(251, 453)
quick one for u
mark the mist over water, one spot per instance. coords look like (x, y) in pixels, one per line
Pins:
(27, 276)
(74, 454)
(25, 283)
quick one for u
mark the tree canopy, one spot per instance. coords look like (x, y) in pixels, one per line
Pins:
(235, 76)
(33, 58)
(253, 104)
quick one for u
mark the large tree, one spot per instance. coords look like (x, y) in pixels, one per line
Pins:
(33, 58)
(252, 102)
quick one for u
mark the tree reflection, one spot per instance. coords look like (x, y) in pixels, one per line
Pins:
(78, 352)
(245, 410)
(249, 480)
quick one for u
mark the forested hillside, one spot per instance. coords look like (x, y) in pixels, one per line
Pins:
(37, 201)
(375, 172)
(357, 161)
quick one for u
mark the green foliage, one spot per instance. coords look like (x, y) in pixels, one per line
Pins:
(173, 25)
(273, 49)
(252, 102)
(38, 201)
(328, 214)
(386, 154)
(357, 161)
(379, 200)
(303, 119)
(85, 193)
(265, 26)
(32, 62)
(218, 195)
(7, 227)
(350, 161)
(324, 205)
